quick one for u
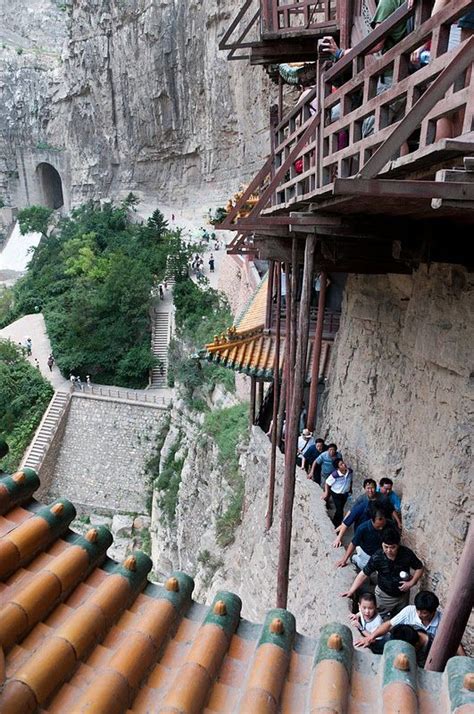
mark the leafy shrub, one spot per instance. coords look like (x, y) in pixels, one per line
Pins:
(168, 482)
(228, 427)
(24, 396)
(201, 312)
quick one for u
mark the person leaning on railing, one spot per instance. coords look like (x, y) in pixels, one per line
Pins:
(329, 48)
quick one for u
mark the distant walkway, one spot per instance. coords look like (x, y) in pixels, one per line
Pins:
(33, 326)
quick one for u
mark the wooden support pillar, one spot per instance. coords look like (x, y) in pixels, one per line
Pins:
(280, 98)
(268, 314)
(276, 399)
(457, 611)
(259, 398)
(253, 385)
(285, 384)
(318, 339)
(293, 314)
(291, 440)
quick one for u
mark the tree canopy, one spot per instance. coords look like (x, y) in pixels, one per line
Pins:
(24, 395)
(92, 279)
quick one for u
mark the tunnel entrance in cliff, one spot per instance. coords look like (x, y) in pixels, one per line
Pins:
(51, 185)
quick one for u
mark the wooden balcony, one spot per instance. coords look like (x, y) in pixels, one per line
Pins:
(323, 160)
(331, 321)
(280, 18)
(274, 31)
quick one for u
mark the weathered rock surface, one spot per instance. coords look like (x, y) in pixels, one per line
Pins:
(141, 99)
(248, 566)
(401, 402)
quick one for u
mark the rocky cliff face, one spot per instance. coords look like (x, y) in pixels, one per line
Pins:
(401, 402)
(141, 100)
(249, 565)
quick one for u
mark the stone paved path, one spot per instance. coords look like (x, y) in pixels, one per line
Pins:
(34, 326)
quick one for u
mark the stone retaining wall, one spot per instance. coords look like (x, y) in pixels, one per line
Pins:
(100, 462)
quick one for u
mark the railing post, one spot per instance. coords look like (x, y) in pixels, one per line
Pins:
(266, 15)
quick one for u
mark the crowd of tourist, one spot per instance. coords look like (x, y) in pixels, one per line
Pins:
(387, 570)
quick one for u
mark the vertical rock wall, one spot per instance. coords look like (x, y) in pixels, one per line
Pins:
(401, 402)
(140, 100)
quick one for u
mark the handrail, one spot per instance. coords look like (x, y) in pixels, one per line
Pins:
(364, 46)
(296, 17)
(432, 96)
(128, 395)
(333, 146)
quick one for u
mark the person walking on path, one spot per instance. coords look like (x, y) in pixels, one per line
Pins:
(50, 362)
(211, 263)
(29, 346)
(37, 364)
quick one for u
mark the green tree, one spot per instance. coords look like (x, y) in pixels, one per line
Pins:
(157, 223)
(24, 395)
(34, 219)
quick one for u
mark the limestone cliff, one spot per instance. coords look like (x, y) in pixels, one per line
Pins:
(400, 402)
(141, 100)
(248, 566)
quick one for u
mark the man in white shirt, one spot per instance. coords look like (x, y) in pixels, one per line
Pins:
(423, 615)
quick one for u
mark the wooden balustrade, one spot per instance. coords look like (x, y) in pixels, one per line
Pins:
(341, 143)
(385, 91)
(331, 321)
(283, 17)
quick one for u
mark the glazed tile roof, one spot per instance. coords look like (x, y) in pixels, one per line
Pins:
(250, 349)
(80, 633)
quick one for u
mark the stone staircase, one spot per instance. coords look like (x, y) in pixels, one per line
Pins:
(160, 341)
(46, 430)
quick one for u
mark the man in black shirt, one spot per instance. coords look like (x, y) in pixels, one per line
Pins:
(392, 563)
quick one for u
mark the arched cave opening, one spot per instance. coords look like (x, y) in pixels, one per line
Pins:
(51, 185)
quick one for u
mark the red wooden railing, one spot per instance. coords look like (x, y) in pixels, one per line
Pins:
(282, 17)
(321, 138)
(331, 321)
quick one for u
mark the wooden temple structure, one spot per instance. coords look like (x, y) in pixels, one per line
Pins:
(334, 198)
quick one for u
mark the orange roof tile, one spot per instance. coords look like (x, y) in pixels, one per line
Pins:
(250, 349)
(80, 633)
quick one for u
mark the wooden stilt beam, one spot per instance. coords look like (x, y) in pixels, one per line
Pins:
(259, 398)
(276, 395)
(318, 340)
(268, 315)
(457, 611)
(291, 439)
(252, 400)
(294, 313)
(285, 387)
